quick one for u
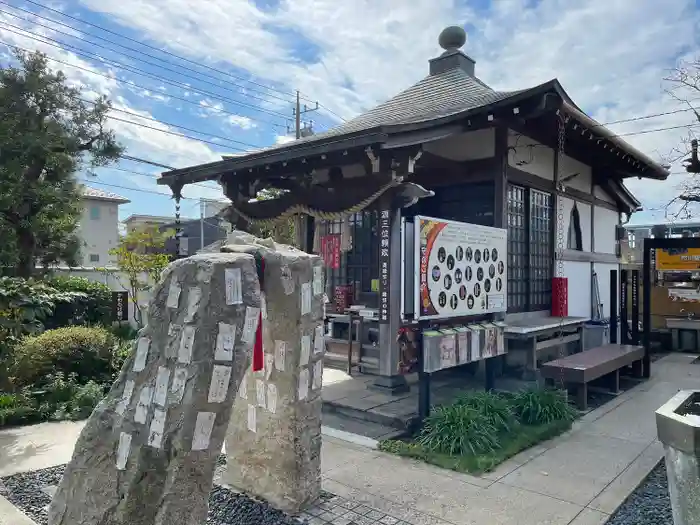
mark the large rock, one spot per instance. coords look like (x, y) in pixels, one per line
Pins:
(273, 444)
(147, 454)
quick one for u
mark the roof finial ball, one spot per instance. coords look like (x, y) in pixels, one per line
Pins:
(452, 38)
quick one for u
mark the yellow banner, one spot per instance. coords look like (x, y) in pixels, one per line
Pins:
(678, 259)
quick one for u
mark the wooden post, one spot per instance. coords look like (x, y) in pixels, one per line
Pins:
(613, 306)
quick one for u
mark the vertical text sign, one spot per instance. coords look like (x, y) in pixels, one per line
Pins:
(384, 264)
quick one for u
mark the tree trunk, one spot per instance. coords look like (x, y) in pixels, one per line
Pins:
(26, 245)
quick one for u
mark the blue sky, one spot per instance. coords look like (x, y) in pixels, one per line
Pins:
(228, 69)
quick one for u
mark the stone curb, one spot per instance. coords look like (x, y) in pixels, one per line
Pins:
(11, 515)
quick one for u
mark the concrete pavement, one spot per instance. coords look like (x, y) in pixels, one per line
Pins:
(576, 479)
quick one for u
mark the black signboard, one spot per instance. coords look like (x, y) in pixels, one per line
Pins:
(120, 306)
(384, 264)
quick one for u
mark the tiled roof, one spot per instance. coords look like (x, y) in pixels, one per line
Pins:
(94, 193)
(433, 97)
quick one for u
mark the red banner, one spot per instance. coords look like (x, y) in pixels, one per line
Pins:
(330, 250)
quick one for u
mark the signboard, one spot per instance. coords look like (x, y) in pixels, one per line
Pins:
(677, 260)
(384, 264)
(462, 269)
(120, 306)
(684, 295)
(330, 251)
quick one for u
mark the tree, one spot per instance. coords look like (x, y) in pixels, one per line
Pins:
(141, 260)
(684, 86)
(284, 231)
(47, 133)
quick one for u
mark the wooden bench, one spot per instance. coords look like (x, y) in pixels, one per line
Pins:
(584, 367)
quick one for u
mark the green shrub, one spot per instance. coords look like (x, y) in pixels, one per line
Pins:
(16, 409)
(83, 351)
(24, 306)
(494, 407)
(79, 301)
(121, 352)
(457, 430)
(537, 406)
(125, 331)
(85, 399)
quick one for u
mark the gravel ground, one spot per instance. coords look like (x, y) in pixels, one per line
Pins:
(32, 491)
(649, 504)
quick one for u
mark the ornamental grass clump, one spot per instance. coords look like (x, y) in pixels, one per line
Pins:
(458, 429)
(539, 406)
(494, 407)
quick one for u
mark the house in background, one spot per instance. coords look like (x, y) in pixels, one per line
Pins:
(194, 233)
(99, 226)
(633, 244)
(133, 222)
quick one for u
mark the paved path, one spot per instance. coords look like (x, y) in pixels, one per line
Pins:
(576, 479)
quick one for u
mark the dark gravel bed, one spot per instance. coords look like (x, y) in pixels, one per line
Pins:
(31, 492)
(649, 504)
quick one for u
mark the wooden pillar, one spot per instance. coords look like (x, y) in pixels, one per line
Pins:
(500, 220)
(389, 379)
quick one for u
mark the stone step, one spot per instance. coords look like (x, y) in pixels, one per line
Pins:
(366, 429)
(395, 422)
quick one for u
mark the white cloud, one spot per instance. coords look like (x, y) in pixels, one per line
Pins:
(610, 56)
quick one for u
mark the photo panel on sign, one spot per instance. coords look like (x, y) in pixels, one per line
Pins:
(461, 269)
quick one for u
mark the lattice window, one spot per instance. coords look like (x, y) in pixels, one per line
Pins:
(360, 265)
(517, 249)
(540, 277)
(529, 249)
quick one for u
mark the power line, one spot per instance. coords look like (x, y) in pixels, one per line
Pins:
(643, 117)
(129, 189)
(643, 132)
(179, 57)
(134, 84)
(221, 137)
(152, 176)
(141, 190)
(144, 161)
(199, 74)
(91, 56)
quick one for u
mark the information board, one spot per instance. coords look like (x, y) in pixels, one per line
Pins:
(462, 269)
(679, 260)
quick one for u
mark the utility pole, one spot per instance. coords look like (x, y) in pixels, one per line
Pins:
(298, 112)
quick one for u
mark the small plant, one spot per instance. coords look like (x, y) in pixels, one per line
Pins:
(458, 430)
(494, 407)
(537, 406)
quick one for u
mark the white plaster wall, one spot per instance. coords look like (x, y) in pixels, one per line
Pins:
(603, 272)
(605, 221)
(479, 144)
(98, 235)
(579, 287)
(530, 156)
(583, 180)
(584, 211)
